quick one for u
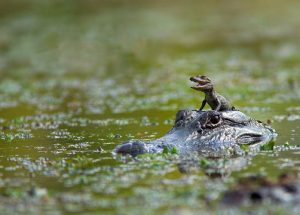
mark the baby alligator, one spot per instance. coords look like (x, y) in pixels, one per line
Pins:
(215, 100)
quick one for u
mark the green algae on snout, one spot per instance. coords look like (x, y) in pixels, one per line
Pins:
(172, 150)
(244, 147)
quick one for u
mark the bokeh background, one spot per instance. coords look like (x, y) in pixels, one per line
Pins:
(78, 77)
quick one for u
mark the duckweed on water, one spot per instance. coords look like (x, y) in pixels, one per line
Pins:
(268, 146)
(62, 111)
(204, 163)
(173, 150)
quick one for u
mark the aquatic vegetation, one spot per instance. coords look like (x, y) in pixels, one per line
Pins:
(268, 146)
(78, 78)
(172, 150)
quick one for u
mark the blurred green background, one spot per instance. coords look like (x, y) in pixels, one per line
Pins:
(78, 77)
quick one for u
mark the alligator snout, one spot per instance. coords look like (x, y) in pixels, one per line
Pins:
(132, 147)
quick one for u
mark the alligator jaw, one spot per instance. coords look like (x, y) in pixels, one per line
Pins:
(250, 138)
(201, 83)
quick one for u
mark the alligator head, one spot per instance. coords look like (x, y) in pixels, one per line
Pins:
(208, 133)
(203, 83)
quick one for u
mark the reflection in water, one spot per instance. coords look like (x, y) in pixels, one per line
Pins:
(214, 168)
(260, 189)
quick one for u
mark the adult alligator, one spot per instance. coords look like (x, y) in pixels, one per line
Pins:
(209, 133)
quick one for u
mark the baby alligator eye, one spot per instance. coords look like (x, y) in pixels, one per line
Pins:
(215, 119)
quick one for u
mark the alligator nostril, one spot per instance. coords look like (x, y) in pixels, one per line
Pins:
(132, 147)
(200, 131)
(124, 148)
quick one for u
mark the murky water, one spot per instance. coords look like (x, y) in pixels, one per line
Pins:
(78, 78)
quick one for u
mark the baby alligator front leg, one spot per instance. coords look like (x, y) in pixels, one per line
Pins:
(219, 105)
(202, 105)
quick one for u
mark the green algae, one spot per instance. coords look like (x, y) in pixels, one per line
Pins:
(268, 146)
(78, 78)
(170, 150)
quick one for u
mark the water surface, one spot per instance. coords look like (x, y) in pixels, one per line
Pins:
(78, 78)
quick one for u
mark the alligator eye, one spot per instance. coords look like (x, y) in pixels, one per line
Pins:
(215, 119)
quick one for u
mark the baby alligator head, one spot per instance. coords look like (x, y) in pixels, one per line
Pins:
(203, 83)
